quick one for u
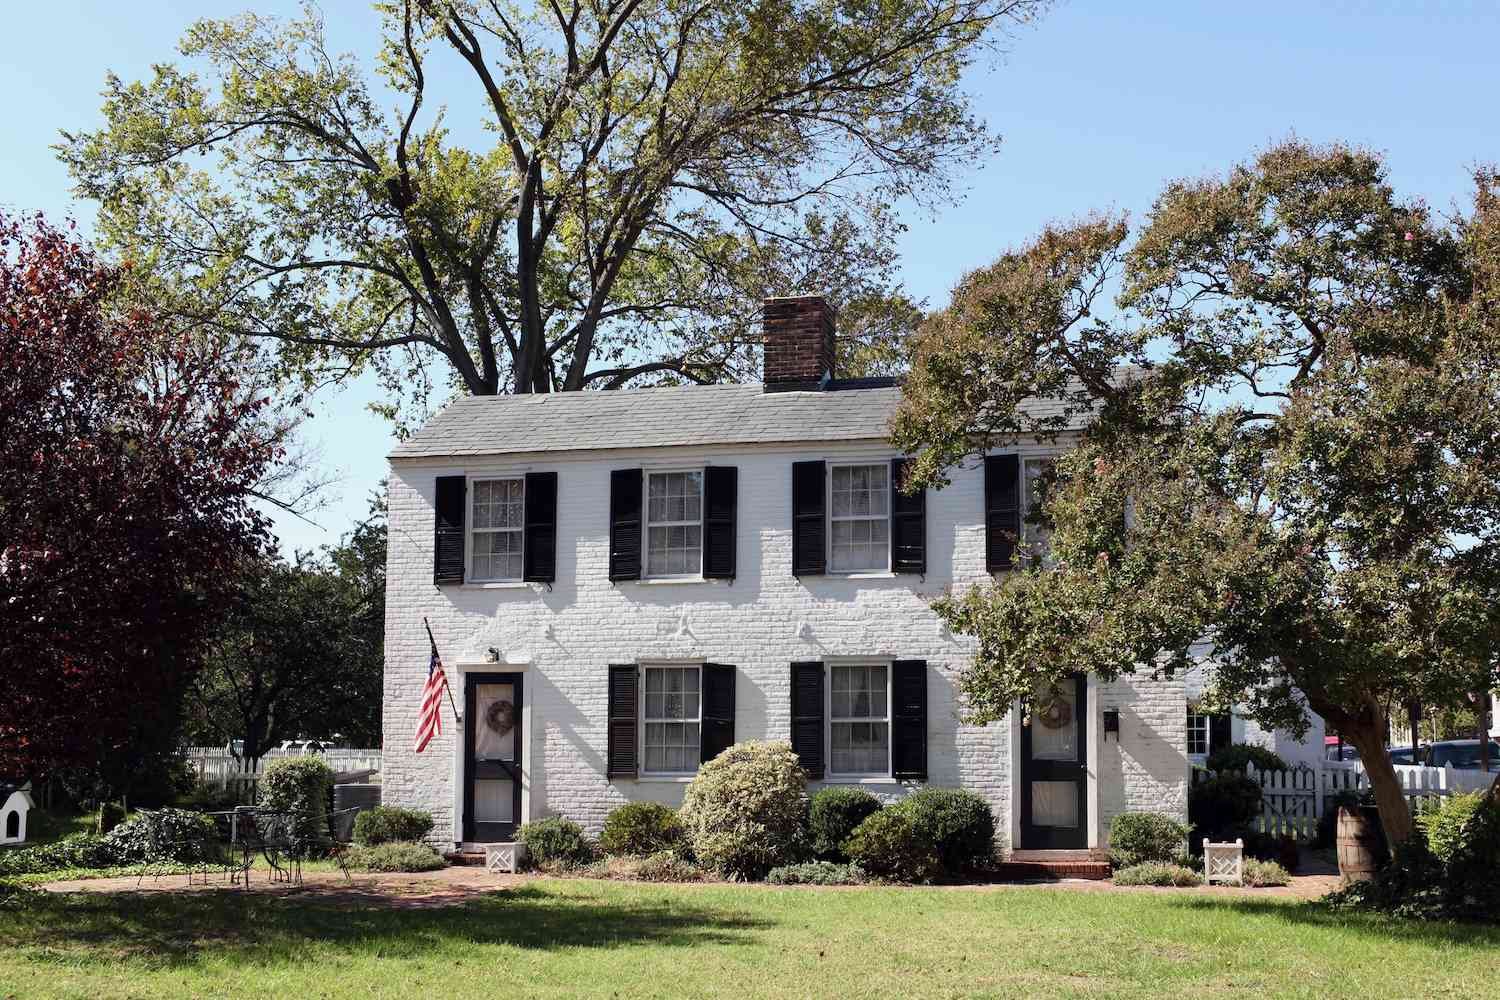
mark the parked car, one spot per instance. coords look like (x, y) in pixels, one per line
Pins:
(1406, 755)
(1461, 754)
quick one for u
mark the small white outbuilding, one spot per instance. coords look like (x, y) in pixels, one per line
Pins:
(15, 804)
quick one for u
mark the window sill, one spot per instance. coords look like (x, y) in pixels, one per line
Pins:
(872, 780)
(668, 581)
(865, 574)
(499, 585)
(664, 779)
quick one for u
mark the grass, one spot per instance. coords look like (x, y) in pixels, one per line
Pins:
(588, 938)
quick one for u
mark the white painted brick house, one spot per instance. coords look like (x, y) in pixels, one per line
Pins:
(653, 574)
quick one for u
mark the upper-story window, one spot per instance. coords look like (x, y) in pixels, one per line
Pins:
(499, 518)
(1036, 537)
(859, 536)
(674, 524)
(859, 720)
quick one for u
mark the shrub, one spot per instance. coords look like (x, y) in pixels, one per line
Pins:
(833, 814)
(1260, 874)
(957, 822)
(1239, 756)
(816, 873)
(81, 850)
(1152, 873)
(162, 835)
(390, 824)
(1444, 825)
(641, 828)
(300, 786)
(395, 856)
(745, 812)
(555, 842)
(664, 866)
(1140, 837)
(1221, 804)
(889, 844)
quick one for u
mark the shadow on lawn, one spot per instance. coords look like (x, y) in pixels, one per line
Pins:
(173, 928)
(1368, 925)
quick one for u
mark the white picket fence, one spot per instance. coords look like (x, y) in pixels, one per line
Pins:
(215, 768)
(1292, 801)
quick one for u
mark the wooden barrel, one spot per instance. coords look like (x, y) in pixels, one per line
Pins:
(1360, 841)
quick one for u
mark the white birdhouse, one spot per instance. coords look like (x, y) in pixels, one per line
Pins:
(15, 804)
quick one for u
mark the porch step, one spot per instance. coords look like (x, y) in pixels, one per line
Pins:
(464, 858)
(1049, 866)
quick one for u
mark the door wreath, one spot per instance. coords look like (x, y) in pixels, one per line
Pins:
(500, 717)
(1054, 712)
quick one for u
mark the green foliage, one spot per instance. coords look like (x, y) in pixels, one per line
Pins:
(816, 873)
(80, 850)
(665, 866)
(556, 843)
(1237, 756)
(162, 835)
(395, 856)
(1296, 394)
(1155, 873)
(1221, 804)
(300, 786)
(746, 810)
(385, 824)
(889, 845)
(833, 814)
(1445, 825)
(957, 822)
(641, 828)
(1263, 874)
(1139, 837)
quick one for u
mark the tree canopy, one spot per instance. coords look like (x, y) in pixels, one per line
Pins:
(658, 167)
(129, 458)
(1293, 476)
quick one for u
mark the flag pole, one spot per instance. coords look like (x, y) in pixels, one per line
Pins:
(446, 686)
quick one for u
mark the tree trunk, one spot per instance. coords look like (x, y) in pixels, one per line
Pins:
(1367, 732)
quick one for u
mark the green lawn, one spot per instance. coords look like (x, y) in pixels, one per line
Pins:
(583, 938)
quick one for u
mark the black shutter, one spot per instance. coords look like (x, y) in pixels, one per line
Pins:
(625, 524)
(720, 501)
(807, 716)
(448, 531)
(624, 742)
(909, 719)
(717, 732)
(1002, 510)
(809, 547)
(1218, 733)
(541, 527)
(908, 523)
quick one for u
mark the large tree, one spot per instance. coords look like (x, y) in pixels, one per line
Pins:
(658, 166)
(300, 650)
(1293, 476)
(130, 457)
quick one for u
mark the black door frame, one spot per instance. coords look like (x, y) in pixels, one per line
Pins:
(1042, 838)
(510, 769)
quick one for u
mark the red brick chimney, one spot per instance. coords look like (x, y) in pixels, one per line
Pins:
(799, 348)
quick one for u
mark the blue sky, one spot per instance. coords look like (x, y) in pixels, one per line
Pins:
(1099, 106)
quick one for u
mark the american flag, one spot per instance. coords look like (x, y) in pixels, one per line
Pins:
(430, 723)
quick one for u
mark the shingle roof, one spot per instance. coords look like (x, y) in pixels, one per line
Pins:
(657, 418)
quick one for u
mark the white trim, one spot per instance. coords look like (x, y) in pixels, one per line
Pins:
(695, 576)
(470, 530)
(856, 777)
(829, 518)
(1093, 740)
(642, 668)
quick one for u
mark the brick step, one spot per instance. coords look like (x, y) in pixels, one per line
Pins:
(1051, 871)
(464, 858)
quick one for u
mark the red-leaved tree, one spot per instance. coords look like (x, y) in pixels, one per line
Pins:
(128, 458)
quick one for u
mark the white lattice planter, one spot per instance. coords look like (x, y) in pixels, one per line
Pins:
(502, 858)
(1224, 862)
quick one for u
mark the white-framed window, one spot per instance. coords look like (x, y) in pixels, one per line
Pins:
(1037, 538)
(859, 518)
(674, 524)
(497, 517)
(859, 720)
(671, 719)
(1198, 734)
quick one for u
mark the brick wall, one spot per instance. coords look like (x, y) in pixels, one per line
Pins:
(565, 638)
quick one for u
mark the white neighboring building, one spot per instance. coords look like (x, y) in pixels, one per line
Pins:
(1207, 732)
(622, 583)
